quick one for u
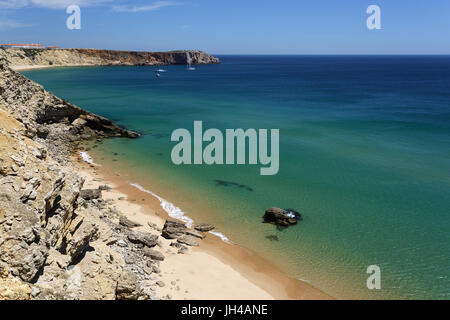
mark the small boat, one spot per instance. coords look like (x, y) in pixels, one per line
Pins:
(158, 75)
(190, 67)
(161, 70)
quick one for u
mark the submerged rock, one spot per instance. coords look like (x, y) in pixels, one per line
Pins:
(282, 218)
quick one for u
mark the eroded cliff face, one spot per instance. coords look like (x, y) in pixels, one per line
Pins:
(55, 242)
(49, 118)
(45, 229)
(67, 57)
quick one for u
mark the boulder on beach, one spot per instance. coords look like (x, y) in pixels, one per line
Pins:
(173, 229)
(188, 240)
(204, 227)
(196, 234)
(91, 194)
(147, 239)
(153, 254)
(124, 221)
(282, 217)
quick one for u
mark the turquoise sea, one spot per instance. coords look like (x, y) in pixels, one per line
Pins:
(364, 156)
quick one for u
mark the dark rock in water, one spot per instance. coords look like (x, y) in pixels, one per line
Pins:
(222, 183)
(128, 223)
(204, 227)
(91, 194)
(282, 218)
(147, 239)
(272, 237)
(173, 229)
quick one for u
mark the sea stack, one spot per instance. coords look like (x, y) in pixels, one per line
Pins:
(282, 218)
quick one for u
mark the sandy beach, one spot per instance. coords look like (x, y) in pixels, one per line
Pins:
(215, 269)
(35, 67)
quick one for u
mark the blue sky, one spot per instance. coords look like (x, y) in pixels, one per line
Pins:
(234, 26)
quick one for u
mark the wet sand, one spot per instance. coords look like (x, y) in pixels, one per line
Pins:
(214, 270)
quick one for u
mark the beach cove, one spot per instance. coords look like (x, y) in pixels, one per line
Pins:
(360, 157)
(211, 271)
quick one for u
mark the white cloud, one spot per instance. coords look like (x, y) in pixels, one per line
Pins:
(60, 4)
(51, 4)
(13, 4)
(155, 6)
(12, 24)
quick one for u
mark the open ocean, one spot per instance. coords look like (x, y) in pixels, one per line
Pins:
(364, 156)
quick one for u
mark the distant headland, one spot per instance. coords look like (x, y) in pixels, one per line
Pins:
(29, 57)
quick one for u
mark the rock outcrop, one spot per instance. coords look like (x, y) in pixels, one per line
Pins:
(282, 218)
(70, 57)
(49, 119)
(57, 240)
(204, 227)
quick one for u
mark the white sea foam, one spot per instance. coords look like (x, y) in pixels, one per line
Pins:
(221, 236)
(304, 280)
(87, 158)
(176, 213)
(172, 210)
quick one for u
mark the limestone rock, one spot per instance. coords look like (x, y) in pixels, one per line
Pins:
(188, 240)
(79, 241)
(196, 234)
(124, 221)
(204, 227)
(91, 194)
(282, 218)
(173, 229)
(14, 289)
(153, 254)
(147, 239)
(127, 288)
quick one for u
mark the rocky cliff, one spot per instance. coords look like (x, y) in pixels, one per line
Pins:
(51, 240)
(66, 57)
(58, 241)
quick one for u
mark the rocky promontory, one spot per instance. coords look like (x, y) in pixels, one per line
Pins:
(70, 57)
(49, 119)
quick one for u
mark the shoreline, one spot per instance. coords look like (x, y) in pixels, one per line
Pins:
(230, 265)
(19, 68)
(216, 270)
